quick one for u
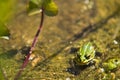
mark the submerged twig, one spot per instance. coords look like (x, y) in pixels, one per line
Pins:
(32, 47)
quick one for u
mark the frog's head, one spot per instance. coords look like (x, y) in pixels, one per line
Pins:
(111, 64)
(85, 54)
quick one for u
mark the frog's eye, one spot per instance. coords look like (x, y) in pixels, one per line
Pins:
(87, 57)
(116, 61)
(79, 56)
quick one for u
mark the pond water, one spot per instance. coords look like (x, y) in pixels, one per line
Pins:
(77, 21)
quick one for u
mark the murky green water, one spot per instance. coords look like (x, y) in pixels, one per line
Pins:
(96, 21)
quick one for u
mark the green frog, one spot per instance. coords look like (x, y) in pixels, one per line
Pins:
(108, 68)
(111, 64)
(85, 54)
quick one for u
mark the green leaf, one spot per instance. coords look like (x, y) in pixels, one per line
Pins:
(50, 8)
(4, 32)
(34, 7)
(7, 8)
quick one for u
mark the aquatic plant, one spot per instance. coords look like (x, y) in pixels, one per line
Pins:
(6, 12)
(47, 7)
(5, 15)
(4, 32)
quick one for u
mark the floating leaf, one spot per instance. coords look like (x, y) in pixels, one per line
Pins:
(4, 32)
(50, 8)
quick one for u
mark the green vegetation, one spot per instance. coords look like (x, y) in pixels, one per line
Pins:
(49, 7)
(4, 32)
(6, 11)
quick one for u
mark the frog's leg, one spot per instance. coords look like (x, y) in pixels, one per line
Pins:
(96, 61)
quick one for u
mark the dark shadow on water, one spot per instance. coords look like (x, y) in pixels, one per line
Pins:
(9, 54)
(76, 70)
(94, 27)
(47, 60)
(85, 32)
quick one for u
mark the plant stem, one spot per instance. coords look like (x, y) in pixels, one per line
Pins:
(32, 47)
